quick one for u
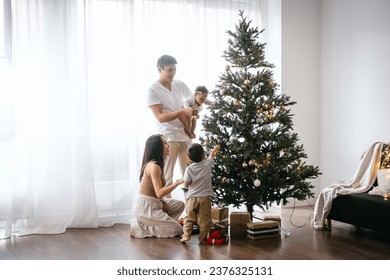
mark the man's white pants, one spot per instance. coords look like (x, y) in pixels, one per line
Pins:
(177, 150)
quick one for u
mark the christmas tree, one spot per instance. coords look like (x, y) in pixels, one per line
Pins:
(260, 162)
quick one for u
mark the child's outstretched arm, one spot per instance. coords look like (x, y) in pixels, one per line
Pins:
(214, 151)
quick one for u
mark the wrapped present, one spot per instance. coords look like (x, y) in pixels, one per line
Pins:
(218, 235)
(263, 225)
(263, 235)
(273, 218)
(238, 230)
(220, 216)
(238, 223)
(263, 229)
(240, 218)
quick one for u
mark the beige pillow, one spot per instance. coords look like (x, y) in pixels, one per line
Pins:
(383, 188)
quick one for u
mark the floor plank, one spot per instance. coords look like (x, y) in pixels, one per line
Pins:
(342, 242)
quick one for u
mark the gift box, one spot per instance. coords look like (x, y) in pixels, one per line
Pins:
(240, 218)
(263, 235)
(237, 230)
(263, 225)
(220, 216)
(238, 223)
(273, 218)
(262, 230)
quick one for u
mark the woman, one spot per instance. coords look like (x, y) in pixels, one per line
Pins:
(155, 216)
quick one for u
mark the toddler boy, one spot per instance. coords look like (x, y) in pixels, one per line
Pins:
(197, 177)
(195, 102)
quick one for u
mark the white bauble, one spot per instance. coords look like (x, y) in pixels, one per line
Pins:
(257, 183)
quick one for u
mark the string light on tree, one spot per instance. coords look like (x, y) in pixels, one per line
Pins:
(385, 157)
(254, 121)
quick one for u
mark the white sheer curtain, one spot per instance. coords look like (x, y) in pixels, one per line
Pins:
(73, 118)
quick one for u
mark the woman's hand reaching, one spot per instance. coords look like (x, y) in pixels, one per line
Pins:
(179, 181)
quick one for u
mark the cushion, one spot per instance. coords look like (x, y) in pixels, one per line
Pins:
(383, 188)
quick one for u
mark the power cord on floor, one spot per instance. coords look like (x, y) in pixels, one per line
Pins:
(283, 231)
(308, 219)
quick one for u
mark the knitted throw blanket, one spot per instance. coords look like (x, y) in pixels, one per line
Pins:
(361, 182)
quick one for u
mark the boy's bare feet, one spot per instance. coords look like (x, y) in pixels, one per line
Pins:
(189, 133)
(185, 238)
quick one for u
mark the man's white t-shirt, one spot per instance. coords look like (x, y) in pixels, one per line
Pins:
(170, 101)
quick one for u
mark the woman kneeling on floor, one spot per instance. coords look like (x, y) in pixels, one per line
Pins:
(155, 216)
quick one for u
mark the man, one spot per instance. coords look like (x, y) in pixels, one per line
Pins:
(165, 99)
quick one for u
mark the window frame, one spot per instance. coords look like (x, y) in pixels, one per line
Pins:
(5, 32)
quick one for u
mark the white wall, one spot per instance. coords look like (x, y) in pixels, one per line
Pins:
(335, 62)
(271, 18)
(333, 58)
(301, 73)
(355, 94)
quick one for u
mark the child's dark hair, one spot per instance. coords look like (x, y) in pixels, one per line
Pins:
(202, 89)
(195, 152)
(166, 60)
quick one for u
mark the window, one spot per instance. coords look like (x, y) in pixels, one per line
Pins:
(5, 33)
(2, 41)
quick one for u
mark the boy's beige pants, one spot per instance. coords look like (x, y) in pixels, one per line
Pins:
(198, 211)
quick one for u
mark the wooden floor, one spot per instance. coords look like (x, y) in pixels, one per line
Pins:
(342, 242)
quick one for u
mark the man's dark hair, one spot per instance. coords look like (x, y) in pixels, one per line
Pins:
(166, 60)
(195, 152)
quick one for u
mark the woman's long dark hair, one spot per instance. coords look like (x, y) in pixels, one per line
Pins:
(154, 150)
